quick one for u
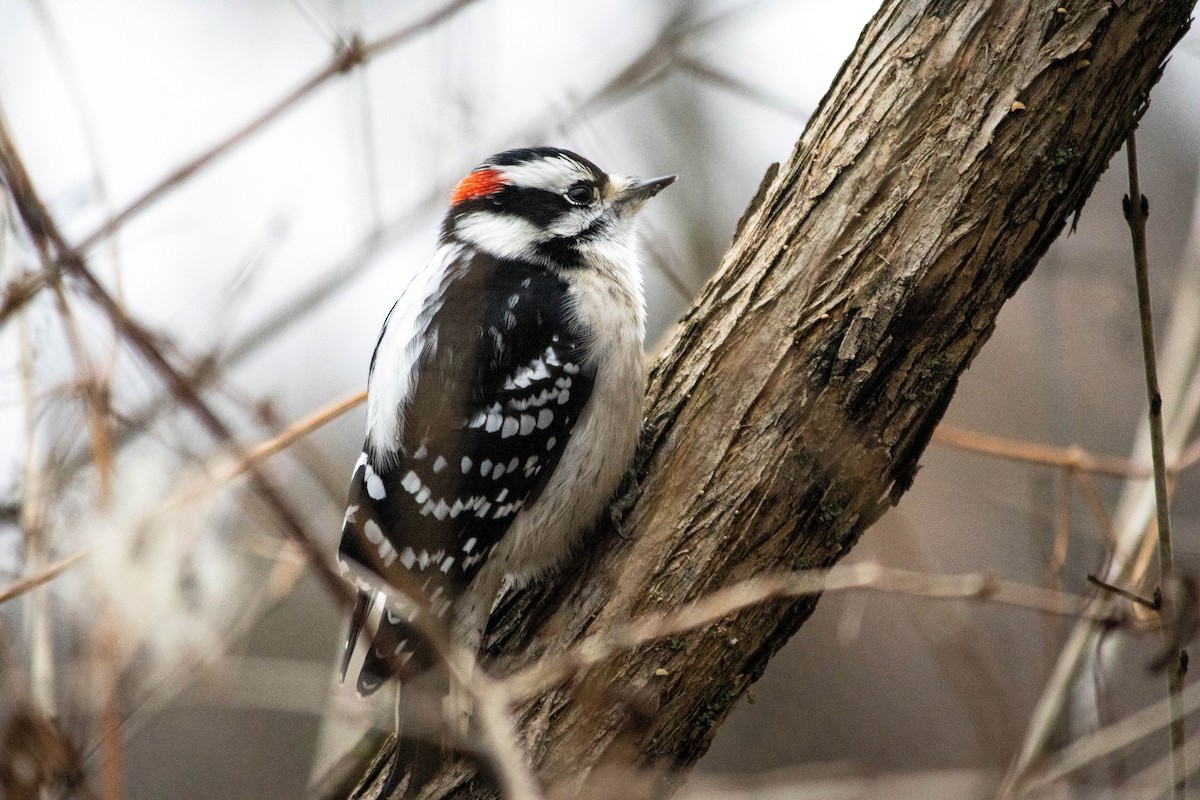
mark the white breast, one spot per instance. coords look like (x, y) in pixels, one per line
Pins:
(607, 299)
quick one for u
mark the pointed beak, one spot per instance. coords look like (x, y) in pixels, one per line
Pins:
(637, 192)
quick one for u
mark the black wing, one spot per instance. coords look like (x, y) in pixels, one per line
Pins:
(497, 392)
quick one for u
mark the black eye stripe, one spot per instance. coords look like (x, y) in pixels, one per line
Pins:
(539, 206)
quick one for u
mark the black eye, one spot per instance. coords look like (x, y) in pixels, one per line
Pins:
(581, 194)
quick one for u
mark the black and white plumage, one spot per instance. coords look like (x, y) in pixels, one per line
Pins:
(504, 402)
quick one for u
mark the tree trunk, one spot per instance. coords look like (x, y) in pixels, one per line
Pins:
(800, 391)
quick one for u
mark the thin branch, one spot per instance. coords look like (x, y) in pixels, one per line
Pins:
(541, 676)
(1136, 210)
(32, 520)
(346, 56)
(498, 736)
(1119, 592)
(1072, 458)
(42, 576)
(302, 427)
(1094, 746)
(20, 290)
(44, 230)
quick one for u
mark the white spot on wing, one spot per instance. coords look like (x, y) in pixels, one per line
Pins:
(408, 558)
(469, 545)
(466, 464)
(375, 488)
(511, 426)
(527, 424)
(423, 495)
(545, 417)
(439, 464)
(411, 483)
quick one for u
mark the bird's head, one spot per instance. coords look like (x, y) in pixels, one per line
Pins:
(546, 205)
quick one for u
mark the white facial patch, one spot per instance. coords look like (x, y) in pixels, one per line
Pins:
(501, 235)
(555, 174)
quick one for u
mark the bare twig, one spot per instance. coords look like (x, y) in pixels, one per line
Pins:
(36, 546)
(1128, 595)
(732, 599)
(346, 56)
(1072, 458)
(20, 290)
(498, 734)
(302, 427)
(45, 575)
(1094, 746)
(43, 229)
(1136, 210)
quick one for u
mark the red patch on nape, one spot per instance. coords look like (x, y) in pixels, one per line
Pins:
(480, 183)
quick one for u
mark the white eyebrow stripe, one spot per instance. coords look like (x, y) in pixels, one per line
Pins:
(554, 174)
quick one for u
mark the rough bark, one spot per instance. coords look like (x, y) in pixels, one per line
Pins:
(799, 393)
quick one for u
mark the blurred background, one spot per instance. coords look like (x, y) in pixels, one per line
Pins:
(183, 623)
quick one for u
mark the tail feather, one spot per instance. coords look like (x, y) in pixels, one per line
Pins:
(398, 650)
(362, 606)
